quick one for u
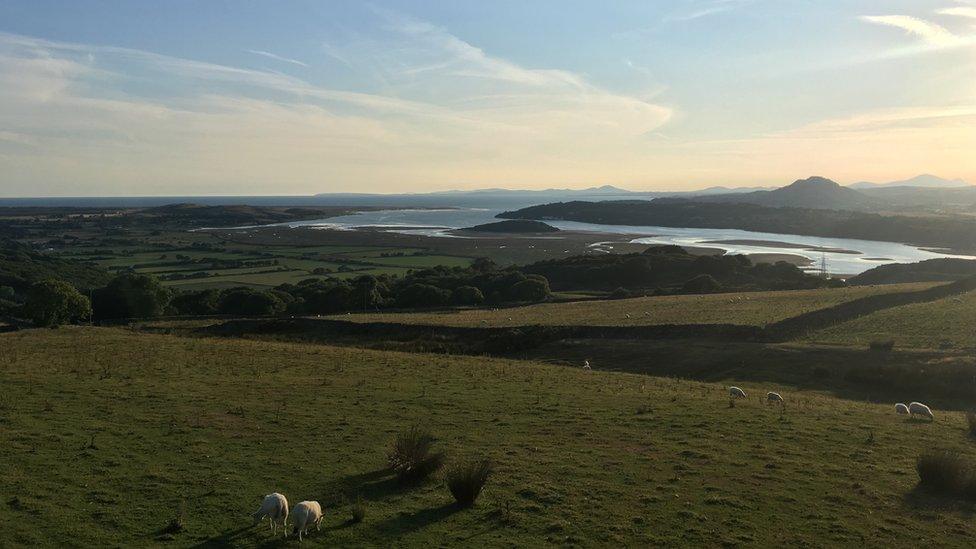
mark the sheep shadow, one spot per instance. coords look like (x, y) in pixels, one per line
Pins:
(411, 522)
(923, 499)
(371, 486)
(227, 539)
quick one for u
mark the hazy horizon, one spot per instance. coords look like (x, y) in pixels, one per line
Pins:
(300, 98)
(443, 191)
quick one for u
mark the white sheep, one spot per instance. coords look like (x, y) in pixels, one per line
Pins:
(305, 514)
(774, 397)
(919, 409)
(901, 409)
(736, 392)
(275, 508)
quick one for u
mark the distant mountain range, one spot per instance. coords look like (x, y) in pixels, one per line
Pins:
(814, 192)
(927, 181)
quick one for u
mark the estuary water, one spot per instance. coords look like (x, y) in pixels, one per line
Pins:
(843, 255)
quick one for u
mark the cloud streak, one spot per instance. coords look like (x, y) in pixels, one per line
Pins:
(959, 11)
(713, 7)
(276, 57)
(931, 33)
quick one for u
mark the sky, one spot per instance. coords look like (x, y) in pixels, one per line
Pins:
(248, 97)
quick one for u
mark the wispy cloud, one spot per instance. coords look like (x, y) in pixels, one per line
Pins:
(446, 113)
(931, 33)
(959, 11)
(708, 8)
(276, 57)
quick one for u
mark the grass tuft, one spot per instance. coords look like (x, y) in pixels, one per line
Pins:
(357, 511)
(946, 472)
(178, 523)
(466, 480)
(411, 458)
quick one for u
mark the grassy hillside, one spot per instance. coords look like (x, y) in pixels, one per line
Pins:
(946, 323)
(753, 308)
(107, 433)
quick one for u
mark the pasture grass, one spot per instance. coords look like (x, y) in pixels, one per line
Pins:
(948, 323)
(109, 437)
(746, 308)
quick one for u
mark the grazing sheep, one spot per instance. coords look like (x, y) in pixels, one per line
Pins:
(901, 409)
(736, 392)
(586, 364)
(919, 409)
(275, 507)
(305, 514)
(774, 397)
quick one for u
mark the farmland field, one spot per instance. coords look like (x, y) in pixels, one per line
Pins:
(107, 435)
(757, 308)
(296, 262)
(946, 323)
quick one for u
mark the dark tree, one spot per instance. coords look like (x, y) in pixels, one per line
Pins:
(701, 284)
(250, 302)
(531, 289)
(131, 295)
(467, 295)
(423, 295)
(52, 302)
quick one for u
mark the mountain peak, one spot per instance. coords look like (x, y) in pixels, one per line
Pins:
(812, 182)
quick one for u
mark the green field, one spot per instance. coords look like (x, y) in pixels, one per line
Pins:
(105, 434)
(300, 260)
(947, 323)
(757, 309)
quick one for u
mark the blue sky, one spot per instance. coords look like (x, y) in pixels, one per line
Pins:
(296, 97)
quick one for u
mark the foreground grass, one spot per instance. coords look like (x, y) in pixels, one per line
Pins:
(747, 308)
(948, 323)
(105, 434)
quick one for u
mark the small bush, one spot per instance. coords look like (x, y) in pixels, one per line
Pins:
(466, 480)
(946, 472)
(971, 420)
(411, 458)
(358, 511)
(882, 346)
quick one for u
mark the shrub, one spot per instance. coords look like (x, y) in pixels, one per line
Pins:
(946, 472)
(411, 458)
(358, 511)
(466, 480)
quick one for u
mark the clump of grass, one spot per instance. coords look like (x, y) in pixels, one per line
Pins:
(358, 511)
(946, 472)
(178, 523)
(466, 480)
(411, 457)
(971, 420)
